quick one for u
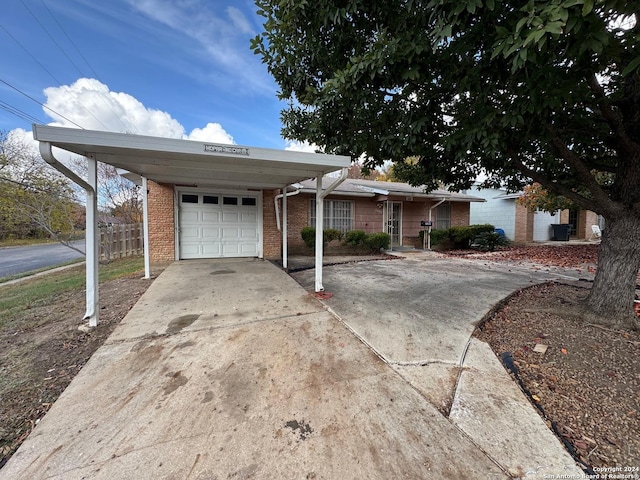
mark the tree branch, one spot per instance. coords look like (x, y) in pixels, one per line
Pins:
(612, 118)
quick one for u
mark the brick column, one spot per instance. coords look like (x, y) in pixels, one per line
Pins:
(161, 222)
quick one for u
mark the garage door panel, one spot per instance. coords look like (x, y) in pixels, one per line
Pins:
(249, 217)
(248, 234)
(248, 249)
(230, 233)
(190, 232)
(212, 233)
(210, 216)
(190, 216)
(228, 228)
(211, 249)
(230, 217)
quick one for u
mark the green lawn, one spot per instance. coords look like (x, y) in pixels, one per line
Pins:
(39, 291)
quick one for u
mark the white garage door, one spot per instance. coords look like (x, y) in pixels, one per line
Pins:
(214, 225)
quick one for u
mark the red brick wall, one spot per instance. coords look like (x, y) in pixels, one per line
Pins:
(272, 238)
(460, 213)
(161, 222)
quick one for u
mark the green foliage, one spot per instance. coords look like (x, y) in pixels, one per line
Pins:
(331, 234)
(509, 88)
(438, 236)
(489, 241)
(377, 241)
(463, 236)
(35, 201)
(457, 237)
(545, 91)
(328, 235)
(309, 236)
(355, 238)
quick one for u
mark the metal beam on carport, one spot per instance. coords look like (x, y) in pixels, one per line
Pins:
(178, 161)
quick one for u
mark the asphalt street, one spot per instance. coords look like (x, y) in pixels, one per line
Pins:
(17, 260)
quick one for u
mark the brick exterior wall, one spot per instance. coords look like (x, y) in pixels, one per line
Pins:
(460, 214)
(271, 237)
(161, 222)
(524, 225)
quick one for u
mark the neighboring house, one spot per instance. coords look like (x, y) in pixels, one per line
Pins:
(522, 225)
(391, 207)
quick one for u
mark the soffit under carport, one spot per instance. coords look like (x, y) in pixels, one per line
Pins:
(193, 163)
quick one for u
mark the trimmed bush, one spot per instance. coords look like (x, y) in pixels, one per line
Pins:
(331, 234)
(463, 236)
(488, 241)
(437, 237)
(355, 238)
(309, 236)
(377, 241)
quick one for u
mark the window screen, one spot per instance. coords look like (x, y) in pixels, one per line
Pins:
(338, 214)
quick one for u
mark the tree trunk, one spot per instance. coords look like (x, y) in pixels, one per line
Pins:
(613, 291)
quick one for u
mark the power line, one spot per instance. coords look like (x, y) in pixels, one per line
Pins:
(19, 113)
(71, 41)
(40, 103)
(79, 53)
(51, 37)
(54, 77)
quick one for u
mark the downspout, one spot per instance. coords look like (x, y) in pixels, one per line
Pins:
(91, 236)
(283, 229)
(430, 221)
(320, 196)
(277, 208)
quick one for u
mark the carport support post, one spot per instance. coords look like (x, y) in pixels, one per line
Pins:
(145, 228)
(319, 224)
(284, 229)
(320, 196)
(92, 239)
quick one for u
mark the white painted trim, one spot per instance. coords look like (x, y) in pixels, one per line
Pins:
(92, 241)
(145, 227)
(260, 222)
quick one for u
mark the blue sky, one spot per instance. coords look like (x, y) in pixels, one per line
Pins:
(175, 68)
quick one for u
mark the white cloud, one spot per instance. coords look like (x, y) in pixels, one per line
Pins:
(90, 104)
(239, 21)
(213, 132)
(296, 146)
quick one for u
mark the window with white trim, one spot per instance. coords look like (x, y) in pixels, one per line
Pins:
(338, 214)
(443, 216)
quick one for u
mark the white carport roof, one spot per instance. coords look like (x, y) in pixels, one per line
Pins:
(194, 163)
(184, 163)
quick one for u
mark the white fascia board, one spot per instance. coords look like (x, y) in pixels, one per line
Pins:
(91, 141)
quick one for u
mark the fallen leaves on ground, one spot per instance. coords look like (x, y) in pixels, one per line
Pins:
(564, 255)
(586, 382)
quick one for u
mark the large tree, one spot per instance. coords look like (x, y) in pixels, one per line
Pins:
(35, 201)
(545, 90)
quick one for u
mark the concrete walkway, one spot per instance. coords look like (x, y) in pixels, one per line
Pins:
(418, 315)
(229, 369)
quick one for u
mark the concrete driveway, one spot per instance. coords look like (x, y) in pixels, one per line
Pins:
(228, 369)
(418, 314)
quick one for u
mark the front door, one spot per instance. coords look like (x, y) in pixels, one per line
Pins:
(393, 222)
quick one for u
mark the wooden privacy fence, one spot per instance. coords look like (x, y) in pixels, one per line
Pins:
(117, 241)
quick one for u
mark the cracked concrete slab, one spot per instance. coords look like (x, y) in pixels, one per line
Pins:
(274, 393)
